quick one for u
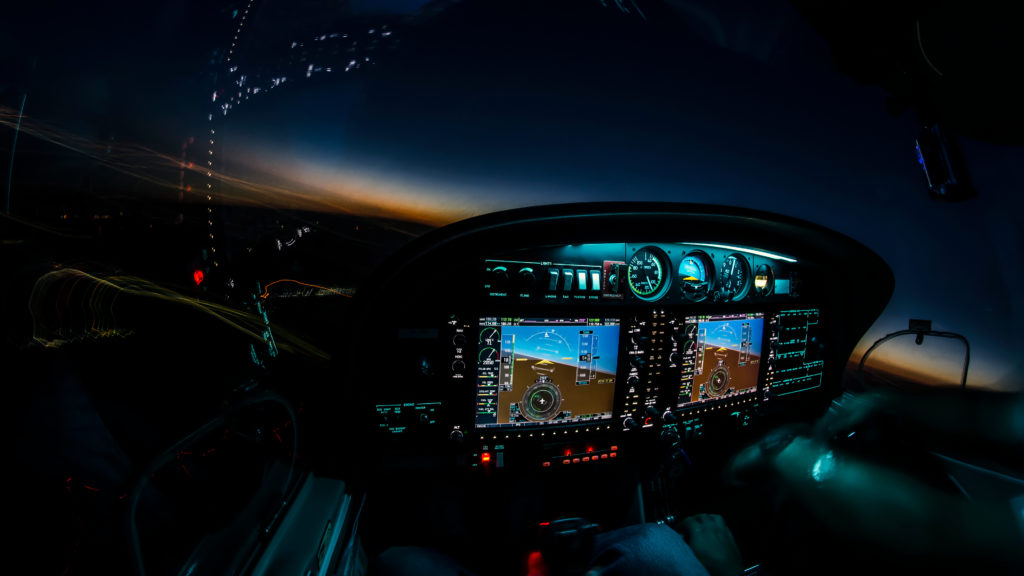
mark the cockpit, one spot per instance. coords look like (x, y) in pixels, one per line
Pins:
(585, 360)
(514, 287)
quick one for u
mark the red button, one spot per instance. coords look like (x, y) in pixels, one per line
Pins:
(614, 448)
(546, 464)
(604, 456)
(586, 458)
(612, 455)
(566, 461)
(575, 460)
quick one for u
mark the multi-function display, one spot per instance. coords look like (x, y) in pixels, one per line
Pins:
(539, 371)
(721, 357)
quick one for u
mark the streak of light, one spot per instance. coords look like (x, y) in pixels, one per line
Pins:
(266, 289)
(70, 304)
(353, 197)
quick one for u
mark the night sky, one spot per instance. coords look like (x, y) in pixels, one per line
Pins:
(507, 104)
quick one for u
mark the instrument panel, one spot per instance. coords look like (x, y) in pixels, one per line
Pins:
(641, 272)
(520, 353)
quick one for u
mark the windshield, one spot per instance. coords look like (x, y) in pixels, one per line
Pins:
(409, 115)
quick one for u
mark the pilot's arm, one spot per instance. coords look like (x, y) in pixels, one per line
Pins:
(877, 504)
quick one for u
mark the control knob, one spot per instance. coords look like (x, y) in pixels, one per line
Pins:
(640, 341)
(525, 278)
(499, 277)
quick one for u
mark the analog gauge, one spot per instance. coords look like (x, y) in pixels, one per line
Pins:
(764, 280)
(648, 273)
(696, 276)
(734, 278)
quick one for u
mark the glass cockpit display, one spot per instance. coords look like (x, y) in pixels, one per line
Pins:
(539, 371)
(721, 357)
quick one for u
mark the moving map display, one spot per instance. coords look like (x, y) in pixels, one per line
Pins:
(721, 357)
(538, 371)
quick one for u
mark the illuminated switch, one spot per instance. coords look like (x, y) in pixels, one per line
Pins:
(595, 280)
(546, 464)
(581, 279)
(552, 280)
(575, 460)
(567, 279)
(586, 458)
(604, 456)
(566, 461)
(612, 455)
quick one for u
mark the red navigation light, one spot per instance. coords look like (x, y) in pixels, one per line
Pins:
(485, 457)
(198, 276)
(568, 452)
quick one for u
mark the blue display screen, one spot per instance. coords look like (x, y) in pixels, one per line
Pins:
(538, 371)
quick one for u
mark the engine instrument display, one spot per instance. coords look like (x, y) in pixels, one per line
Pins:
(721, 357)
(649, 273)
(542, 371)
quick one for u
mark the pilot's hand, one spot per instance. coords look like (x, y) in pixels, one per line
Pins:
(712, 543)
(755, 462)
(849, 411)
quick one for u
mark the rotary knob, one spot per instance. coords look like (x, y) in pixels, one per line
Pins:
(525, 278)
(499, 277)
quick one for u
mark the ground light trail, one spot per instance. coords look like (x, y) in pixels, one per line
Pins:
(356, 197)
(336, 291)
(68, 305)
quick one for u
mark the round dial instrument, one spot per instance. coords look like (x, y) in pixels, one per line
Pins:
(696, 276)
(489, 336)
(764, 280)
(734, 278)
(541, 401)
(648, 273)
